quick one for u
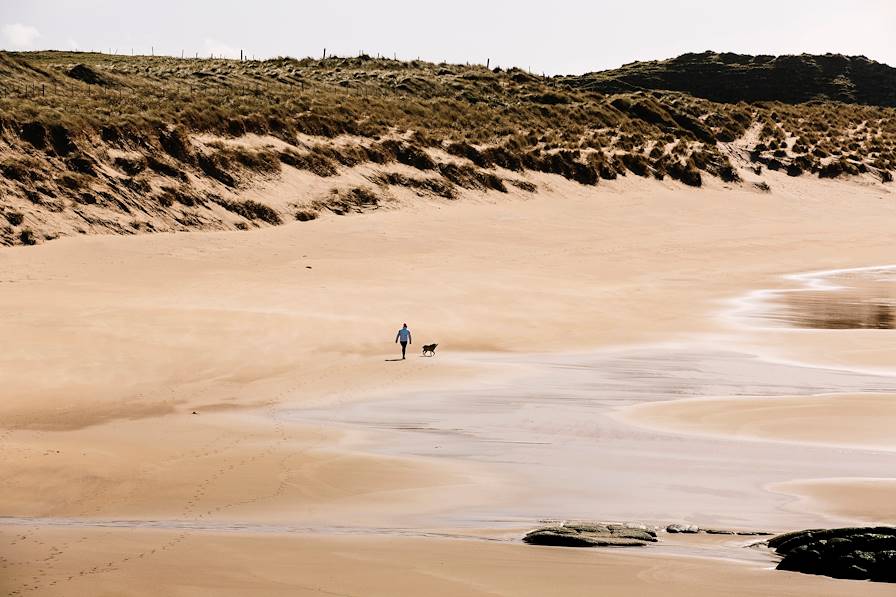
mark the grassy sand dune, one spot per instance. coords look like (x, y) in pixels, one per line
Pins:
(94, 143)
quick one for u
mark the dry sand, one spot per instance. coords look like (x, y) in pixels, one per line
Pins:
(111, 343)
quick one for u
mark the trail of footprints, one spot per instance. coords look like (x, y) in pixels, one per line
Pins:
(190, 510)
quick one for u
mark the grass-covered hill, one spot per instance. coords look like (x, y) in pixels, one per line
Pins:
(731, 77)
(94, 143)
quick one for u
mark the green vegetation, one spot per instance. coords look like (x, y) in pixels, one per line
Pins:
(115, 136)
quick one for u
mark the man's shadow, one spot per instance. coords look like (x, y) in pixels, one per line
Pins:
(393, 360)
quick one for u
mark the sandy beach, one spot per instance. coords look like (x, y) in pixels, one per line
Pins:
(589, 367)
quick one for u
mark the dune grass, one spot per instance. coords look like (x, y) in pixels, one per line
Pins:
(121, 129)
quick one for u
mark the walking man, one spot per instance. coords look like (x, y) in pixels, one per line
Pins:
(403, 336)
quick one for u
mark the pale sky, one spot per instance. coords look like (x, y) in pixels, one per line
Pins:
(554, 37)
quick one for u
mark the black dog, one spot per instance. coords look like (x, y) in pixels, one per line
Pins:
(429, 348)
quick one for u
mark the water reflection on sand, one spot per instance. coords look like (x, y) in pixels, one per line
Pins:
(858, 299)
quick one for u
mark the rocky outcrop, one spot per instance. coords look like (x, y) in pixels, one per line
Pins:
(693, 529)
(682, 528)
(863, 553)
(605, 534)
(591, 535)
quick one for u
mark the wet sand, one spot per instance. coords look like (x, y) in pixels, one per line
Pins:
(860, 298)
(552, 314)
(550, 430)
(836, 498)
(848, 421)
(793, 320)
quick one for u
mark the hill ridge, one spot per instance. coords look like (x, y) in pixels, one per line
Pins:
(730, 77)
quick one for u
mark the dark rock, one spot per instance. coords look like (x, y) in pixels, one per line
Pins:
(586, 534)
(861, 553)
(682, 528)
